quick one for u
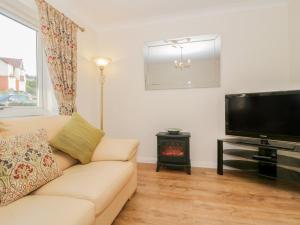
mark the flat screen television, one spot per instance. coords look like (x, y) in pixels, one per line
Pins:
(268, 115)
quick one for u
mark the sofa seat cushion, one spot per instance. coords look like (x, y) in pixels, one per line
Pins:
(48, 210)
(98, 182)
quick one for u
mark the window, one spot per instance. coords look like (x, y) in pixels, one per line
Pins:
(21, 73)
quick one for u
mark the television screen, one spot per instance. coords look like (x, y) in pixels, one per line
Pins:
(274, 115)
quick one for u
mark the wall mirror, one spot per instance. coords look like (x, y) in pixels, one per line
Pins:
(190, 62)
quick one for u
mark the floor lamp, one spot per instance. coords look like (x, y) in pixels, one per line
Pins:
(101, 64)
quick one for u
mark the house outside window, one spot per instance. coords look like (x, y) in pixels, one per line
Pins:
(12, 75)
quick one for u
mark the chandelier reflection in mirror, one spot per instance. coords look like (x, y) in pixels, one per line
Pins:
(178, 44)
(189, 62)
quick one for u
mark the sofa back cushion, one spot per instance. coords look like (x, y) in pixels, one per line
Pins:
(52, 125)
(64, 161)
(26, 163)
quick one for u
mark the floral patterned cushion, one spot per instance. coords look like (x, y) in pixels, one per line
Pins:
(26, 163)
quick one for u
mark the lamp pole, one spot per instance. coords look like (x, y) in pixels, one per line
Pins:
(101, 64)
(102, 81)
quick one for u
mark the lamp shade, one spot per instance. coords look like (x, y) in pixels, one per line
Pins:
(102, 61)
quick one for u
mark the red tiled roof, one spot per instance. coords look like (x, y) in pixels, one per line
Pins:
(16, 63)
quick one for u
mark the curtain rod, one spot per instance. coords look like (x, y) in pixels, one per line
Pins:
(79, 27)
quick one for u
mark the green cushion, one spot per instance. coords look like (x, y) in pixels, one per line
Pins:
(78, 138)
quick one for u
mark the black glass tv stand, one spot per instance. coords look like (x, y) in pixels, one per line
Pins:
(271, 159)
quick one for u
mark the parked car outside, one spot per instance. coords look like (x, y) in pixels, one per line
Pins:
(16, 99)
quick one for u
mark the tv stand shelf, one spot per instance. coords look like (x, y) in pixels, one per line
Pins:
(272, 160)
(286, 146)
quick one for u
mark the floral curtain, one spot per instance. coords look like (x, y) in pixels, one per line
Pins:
(59, 35)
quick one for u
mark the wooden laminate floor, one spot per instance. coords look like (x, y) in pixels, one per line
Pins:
(204, 198)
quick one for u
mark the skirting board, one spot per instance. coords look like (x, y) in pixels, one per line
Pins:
(194, 163)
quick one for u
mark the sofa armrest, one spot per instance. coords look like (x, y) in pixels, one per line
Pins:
(113, 149)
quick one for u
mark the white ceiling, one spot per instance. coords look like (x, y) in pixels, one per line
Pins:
(116, 12)
(99, 14)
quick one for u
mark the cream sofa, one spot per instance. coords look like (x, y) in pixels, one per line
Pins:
(91, 194)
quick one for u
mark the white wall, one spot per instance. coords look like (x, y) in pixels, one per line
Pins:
(294, 33)
(255, 54)
(12, 83)
(87, 84)
(3, 68)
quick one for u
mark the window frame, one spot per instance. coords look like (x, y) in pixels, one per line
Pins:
(41, 109)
